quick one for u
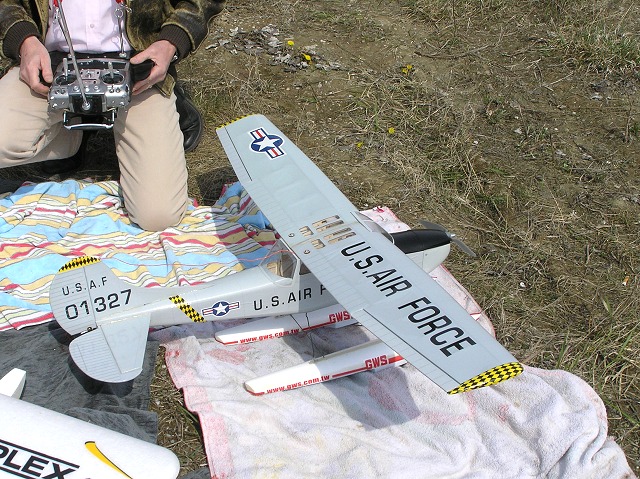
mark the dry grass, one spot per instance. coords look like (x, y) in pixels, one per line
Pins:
(178, 428)
(516, 124)
(513, 123)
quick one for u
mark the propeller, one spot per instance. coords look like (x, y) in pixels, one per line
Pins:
(452, 236)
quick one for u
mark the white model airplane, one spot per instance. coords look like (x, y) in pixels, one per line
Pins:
(329, 255)
(36, 442)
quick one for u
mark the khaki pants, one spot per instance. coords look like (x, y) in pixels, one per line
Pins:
(153, 172)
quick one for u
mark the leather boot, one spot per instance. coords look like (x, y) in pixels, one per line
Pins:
(72, 163)
(190, 118)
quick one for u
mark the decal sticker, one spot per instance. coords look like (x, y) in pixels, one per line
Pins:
(19, 461)
(93, 449)
(186, 308)
(490, 377)
(266, 143)
(221, 308)
(80, 262)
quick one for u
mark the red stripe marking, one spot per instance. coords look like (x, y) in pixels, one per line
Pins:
(346, 373)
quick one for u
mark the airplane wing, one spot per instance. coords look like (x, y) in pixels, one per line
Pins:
(377, 283)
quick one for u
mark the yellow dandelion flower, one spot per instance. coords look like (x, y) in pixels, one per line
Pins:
(290, 43)
(391, 130)
(360, 144)
(306, 57)
(407, 69)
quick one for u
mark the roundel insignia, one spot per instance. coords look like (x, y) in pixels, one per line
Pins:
(265, 143)
(220, 308)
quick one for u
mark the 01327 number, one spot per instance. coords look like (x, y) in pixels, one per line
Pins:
(100, 304)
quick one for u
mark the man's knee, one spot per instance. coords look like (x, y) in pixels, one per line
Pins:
(12, 153)
(152, 218)
(22, 145)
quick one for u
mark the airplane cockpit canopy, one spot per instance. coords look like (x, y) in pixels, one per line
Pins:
(282, 262)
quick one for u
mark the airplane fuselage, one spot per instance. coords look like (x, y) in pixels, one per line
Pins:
(252, 293)
(86, 298)
(248, 294)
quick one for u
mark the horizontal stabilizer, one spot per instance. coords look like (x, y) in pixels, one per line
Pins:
(114, 352)
(373, 355)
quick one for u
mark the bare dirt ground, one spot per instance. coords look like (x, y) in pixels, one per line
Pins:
(514, 124)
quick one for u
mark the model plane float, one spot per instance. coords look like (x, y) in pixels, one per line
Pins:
(330, 264)
(36, 442)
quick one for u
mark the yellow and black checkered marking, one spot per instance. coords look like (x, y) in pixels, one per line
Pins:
(234, 120)
(191, 313)
(490, 377)
(79, 263)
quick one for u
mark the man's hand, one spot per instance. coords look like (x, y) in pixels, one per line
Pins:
(34, 58)
(161, 53)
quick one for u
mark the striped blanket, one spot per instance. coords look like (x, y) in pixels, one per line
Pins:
(44, 225)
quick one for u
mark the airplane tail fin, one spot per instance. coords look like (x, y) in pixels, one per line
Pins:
(84, 290)
(88, 299)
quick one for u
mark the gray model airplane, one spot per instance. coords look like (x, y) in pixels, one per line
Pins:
(328, 254)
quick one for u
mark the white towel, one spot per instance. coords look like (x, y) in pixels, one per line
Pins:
(390, 424)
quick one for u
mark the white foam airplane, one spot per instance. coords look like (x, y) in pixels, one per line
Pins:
(36, 442)
(331, 265)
